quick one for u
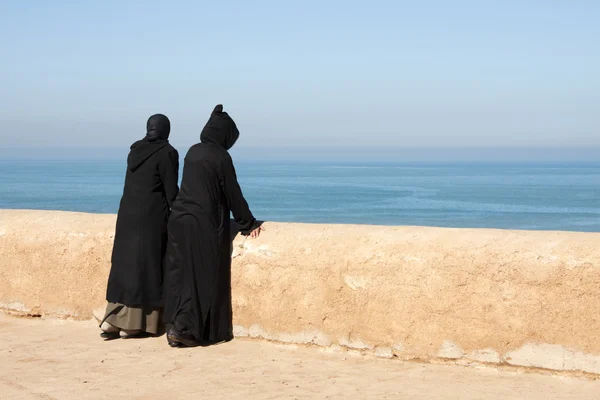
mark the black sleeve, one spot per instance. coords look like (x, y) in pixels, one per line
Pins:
(169, 174)
(235, 199)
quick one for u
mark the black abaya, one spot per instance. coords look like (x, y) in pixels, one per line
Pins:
(136, 275)
(198, 262)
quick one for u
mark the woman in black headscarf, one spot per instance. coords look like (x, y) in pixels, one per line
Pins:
(135, 285)
(198, 262)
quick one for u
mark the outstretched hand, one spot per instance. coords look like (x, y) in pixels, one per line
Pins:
(256, 233)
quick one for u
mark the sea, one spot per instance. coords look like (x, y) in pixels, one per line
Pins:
(506, 196)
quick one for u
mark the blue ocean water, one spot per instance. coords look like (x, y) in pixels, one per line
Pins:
(537, 197)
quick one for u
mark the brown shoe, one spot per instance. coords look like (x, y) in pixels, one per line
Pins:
(178, 339)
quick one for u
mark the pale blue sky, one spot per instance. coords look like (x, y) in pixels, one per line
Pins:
(306, 73)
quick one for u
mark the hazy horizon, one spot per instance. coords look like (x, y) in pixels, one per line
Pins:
(344, 154)
(320, 74)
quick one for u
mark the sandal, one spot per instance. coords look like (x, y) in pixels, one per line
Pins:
(109, 332)
(110, 335)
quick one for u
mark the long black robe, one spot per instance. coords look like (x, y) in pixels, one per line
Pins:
(198, 261)
(136, 275)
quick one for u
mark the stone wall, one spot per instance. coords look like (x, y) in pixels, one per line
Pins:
(488, 296)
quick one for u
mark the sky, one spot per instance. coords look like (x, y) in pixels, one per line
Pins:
(303, 75)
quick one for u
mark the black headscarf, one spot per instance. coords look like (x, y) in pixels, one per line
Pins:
(220, 129)
(158, 128)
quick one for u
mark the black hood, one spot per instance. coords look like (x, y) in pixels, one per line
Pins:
(220, 129)
(158, 128)
(141, 151)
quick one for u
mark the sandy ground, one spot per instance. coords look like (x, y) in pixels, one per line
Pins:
(58, 359)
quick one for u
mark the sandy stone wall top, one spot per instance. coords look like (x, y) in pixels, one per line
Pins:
(523, 298)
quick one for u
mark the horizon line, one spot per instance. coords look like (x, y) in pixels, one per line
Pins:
(335, 146)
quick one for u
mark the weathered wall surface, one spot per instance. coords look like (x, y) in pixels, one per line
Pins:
(522, 298)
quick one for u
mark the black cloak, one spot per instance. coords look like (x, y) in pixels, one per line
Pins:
(136, 274)
(198, 261)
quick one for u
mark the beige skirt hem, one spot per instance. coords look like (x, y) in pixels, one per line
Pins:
(133, 318)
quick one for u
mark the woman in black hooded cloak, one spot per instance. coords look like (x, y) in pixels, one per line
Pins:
(135, 284)
(198, 261)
